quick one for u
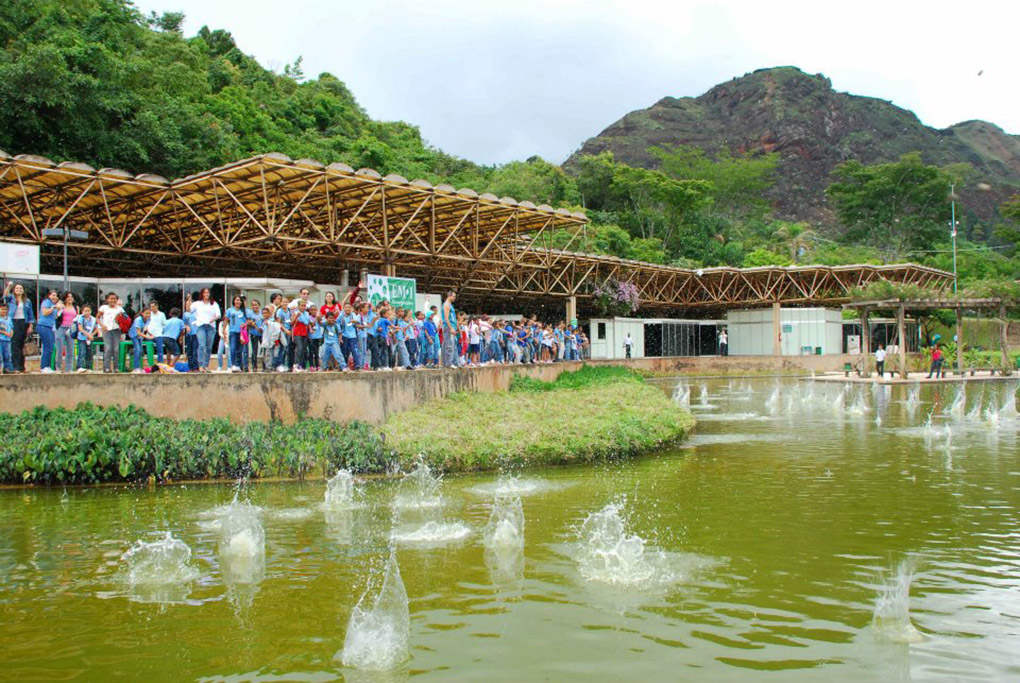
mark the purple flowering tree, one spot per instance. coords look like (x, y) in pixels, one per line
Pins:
(615, 298)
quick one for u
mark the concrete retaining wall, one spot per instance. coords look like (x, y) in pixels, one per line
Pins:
(369, 397)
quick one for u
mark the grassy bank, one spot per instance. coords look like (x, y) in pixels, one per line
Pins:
(596, 413)
(91, 444)
(592, 414)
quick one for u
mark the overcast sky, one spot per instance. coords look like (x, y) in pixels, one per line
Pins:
(498, 81)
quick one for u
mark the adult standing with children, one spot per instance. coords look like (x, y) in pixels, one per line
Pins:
(451, 332)
(19, 309)
(207, 312)
(109, 324)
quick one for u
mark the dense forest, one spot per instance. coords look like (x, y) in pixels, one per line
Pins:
(99, 82)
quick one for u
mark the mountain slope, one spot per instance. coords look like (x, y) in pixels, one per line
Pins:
(813, 128)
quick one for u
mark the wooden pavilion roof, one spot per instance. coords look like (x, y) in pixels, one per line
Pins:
(273, 216)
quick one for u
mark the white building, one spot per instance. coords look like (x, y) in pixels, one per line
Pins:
(803, 331)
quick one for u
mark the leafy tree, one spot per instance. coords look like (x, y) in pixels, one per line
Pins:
(739, 183)
(896, 207)
(796, 238)
(764, 257)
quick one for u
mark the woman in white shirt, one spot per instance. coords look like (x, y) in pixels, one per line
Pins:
(207, 312)
(108, 314)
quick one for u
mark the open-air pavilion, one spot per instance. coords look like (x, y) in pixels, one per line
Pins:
(997, 305)
(271, 216)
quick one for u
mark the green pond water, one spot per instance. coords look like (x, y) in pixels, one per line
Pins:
(801, 534)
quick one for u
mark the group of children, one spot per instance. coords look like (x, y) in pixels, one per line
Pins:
(289, 336)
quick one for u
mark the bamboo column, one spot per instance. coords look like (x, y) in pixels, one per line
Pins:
(777, 329)
(901, 331)
(865, 340)
(1003, 340)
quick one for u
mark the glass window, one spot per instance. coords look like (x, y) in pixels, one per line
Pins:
(169, 295)
(601, 331)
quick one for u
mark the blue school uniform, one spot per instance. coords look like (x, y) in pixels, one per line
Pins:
(173, 328)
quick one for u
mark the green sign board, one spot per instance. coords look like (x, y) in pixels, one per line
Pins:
(399, 291)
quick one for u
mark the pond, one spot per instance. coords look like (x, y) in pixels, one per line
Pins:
(806, 531)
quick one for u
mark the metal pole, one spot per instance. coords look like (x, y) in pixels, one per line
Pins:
(66, 286)
(952, 203)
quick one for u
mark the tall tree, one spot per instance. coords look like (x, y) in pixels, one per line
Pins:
(738, 182)
(896, 207)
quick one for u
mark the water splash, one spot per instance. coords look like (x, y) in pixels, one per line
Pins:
(419, 489)
(974, 414)
(859, 407)
(380, 625)
(167, 560)
(913, 399)
(703, 395)
(682, 394)
(609, 554)
(1008, 409)
(513, 485)
(159, 571)
(808, 397)
(505, 528)
(840, 400)
(891, 616)
(504, 540)
(242, 544)
(957, 408)
(772, 403)
(431, 534)
(341, 491)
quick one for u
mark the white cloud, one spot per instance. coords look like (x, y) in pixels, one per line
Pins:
(495, 81)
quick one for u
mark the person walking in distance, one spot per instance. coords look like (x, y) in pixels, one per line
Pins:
(724, 343)
(936, 362)
(628, 345)
(451, 332)
(880, 360)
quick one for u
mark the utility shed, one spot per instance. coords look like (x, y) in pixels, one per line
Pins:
(607, 335)
(803, 331)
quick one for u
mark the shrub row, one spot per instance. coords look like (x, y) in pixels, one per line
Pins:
(588, 376)
(92, 444)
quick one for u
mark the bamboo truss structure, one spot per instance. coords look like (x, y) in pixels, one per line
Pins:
(272, 216)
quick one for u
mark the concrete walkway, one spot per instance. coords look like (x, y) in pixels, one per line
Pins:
(914, 378)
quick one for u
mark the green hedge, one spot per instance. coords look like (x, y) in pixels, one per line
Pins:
(588, 376)
(92, 444)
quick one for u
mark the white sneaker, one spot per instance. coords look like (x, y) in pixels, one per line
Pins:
(82, 370)
(281, 369)
(46, 371)
(234, 368)
(297, 368)
(345, 369)
(136, 371)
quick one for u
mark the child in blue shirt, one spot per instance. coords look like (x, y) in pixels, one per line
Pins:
(85, 324)
(382, 337)
(349, 338)
(314, 337)
(6, 333)
(138, 333)
(172, 331)
(331, 343)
